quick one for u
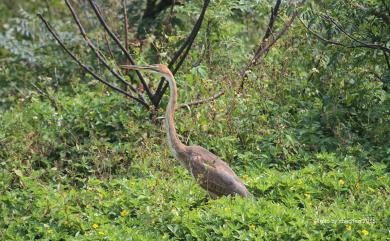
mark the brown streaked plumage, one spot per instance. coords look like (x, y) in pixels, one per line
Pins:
(212, 174)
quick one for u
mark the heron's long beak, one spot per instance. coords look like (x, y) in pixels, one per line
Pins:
(137, 67)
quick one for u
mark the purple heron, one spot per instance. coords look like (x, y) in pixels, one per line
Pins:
(212, 174)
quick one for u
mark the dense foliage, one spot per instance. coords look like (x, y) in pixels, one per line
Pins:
(309, 134)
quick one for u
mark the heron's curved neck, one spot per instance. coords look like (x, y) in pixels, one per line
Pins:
(174, 142)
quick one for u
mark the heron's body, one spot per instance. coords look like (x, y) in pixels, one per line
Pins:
(212, 174)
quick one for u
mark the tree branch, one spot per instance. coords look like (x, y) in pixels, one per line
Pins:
(116, 40)
(97, 52)
(184, 48)
(266, 44)
(52, 100)
(108, 45)
(322, 38)
(198, 102)
(274, 15)
(188, 43)
(371, 46)
(85, 67)
(126, 30)
(126, 24)
(342, 44)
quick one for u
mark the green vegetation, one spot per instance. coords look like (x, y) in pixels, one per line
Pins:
(309, 134)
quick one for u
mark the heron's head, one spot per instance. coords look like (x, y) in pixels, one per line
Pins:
(160, 69)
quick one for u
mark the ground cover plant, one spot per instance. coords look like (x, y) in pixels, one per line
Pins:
(306, 125)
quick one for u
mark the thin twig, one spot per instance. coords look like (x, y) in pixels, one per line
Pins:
(97, 52)
(361, 45)
(108, 46)
(333, 41)
(52, 100)
(198, 102)
(126, 24)
(39, 90)
(85, 67)
(126, 30)
(268, 44)
(372, 46)
(270, 26)
(322, 38)
(187, 45)
(116, 40)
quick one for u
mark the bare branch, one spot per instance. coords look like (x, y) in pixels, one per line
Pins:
(322, 38)
(274, 15)
(39, 90)
(108, 45)
(116, 40)
(52, 100)
(368, 45)
(269, 31)
(342, 44)
(182, 52)
(198, 102)
(97, 52)
(126, 30)
(85, 67)
(266, 44)
(126, 24)
(188, 43)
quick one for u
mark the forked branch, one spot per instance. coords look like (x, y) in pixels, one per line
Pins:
(175, 63)
(367, 45)
(183, 51)
(97, 52)
(120, 45)
(181, 54)
(356, 42)
(267, 42)
(85, 67)
(324, 39)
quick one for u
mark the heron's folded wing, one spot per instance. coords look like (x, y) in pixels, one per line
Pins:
(218, 182)
(204, 156)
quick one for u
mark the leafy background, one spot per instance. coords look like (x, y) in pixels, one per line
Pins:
(309, 135)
